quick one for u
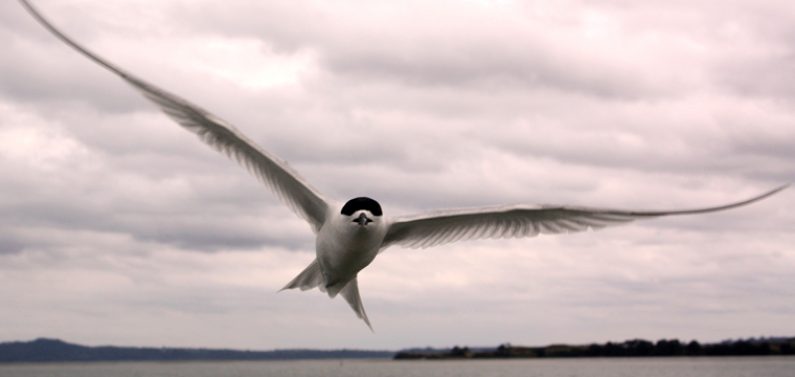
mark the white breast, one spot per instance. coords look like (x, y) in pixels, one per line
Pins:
(344, 247)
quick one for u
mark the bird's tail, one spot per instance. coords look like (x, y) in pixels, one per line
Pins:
(351, 294)
(311, 277)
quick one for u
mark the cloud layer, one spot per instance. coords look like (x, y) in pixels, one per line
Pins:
(117, 226)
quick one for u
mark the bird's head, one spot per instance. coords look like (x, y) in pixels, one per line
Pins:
(362, 211)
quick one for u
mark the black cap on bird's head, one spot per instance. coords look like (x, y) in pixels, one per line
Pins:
(362, 203)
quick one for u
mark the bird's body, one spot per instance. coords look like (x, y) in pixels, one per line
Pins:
(350, 236)
(344, 248)
(348, 241)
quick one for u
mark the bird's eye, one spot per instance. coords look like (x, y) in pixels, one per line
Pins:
(357, 204)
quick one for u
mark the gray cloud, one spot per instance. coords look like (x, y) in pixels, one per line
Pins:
(434, 50)
(10, 246)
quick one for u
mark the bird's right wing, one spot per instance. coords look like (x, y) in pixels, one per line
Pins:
(288, 186)
(445, 226)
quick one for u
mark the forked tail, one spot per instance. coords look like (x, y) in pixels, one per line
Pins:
(351, 294)
(311, 277)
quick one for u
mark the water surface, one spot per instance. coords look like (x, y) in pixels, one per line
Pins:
(775, 366)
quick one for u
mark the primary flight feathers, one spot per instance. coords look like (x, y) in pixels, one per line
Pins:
(215, 132)
(350, 236)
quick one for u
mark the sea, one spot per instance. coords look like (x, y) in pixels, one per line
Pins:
(770, 366)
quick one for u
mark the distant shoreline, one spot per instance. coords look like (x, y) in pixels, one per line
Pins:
(44, 350)
(629, 348)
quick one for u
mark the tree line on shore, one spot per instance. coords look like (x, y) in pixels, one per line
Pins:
(629, 348)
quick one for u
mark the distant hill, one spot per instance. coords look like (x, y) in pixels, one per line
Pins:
(55, 350)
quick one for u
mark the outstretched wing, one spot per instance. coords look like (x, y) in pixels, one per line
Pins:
(291, 189)
(445, 226)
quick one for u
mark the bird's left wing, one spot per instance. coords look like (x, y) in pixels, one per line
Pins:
(445, 226)
(290, 187)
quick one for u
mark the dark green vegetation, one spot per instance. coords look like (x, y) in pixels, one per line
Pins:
(53, 350)
(629, 348)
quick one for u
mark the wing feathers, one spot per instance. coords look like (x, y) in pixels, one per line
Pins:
(440, 227)
(288, 186)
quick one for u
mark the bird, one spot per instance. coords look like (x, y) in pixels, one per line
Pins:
(350, 235)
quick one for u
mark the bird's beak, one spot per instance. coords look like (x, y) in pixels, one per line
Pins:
(362, 219)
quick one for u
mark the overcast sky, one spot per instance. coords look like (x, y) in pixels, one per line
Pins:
(119, 227)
